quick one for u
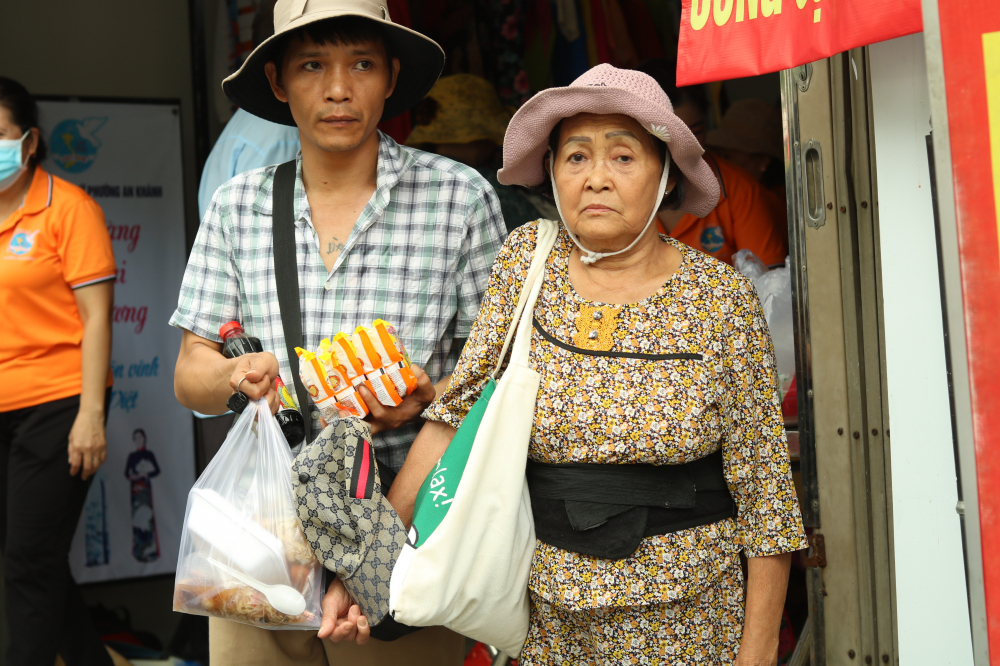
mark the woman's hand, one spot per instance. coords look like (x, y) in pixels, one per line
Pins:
(431, 443)
(747, 658)
(342, 618)
(385, 418)
(87, 445)
(767, 580)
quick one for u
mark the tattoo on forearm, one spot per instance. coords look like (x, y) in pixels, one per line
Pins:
(334, 246)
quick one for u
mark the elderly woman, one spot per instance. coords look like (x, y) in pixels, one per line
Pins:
(658, 375)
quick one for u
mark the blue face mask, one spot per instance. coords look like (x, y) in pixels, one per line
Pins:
(11, 164)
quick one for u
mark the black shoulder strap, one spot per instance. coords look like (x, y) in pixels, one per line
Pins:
(286, 272)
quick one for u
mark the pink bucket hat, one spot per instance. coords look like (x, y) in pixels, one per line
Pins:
(606, 90)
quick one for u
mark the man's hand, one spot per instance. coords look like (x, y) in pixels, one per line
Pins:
(257, 373)
(385, 418)
(342, 618)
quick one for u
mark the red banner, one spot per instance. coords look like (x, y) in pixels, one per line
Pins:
(970, 49)
(730, 39)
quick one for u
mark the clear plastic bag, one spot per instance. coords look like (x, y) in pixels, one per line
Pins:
(774, 288)
(241, 516)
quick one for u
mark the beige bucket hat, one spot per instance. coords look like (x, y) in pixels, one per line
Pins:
(752, 126)
(348, 522)
(420, 58)
(468, 109)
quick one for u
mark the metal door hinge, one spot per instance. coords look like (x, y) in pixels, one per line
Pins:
(815, 555)
(803, 75)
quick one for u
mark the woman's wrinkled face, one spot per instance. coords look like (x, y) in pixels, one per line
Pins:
(606, 171)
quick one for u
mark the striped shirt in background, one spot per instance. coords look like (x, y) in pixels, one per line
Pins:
(418, 257)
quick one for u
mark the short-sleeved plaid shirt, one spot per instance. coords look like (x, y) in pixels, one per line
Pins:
(418, 257)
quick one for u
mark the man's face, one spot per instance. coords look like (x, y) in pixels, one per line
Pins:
(335, 92)
(754, 163)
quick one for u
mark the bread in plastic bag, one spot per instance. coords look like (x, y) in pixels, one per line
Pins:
(774, 288)
(241, 513)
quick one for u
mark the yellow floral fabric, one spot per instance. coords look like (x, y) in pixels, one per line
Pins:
(705, 629)
(595, 326)
(603, 409)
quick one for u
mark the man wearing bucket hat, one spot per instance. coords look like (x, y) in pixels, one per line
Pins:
(368, 230)
(657, 451)
(750, 136)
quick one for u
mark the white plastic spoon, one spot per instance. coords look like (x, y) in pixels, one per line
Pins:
(284, 598)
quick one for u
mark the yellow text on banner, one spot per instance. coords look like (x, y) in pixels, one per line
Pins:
(991, 57)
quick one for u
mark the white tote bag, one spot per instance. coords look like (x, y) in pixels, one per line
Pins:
(466, 562)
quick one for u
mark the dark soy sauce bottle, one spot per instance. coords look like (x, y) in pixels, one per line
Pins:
(235, 342)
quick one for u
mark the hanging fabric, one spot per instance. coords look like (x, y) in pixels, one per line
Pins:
(539, 42)
(588, 26)
(662, 21)
(431, 13)
(569, 59)
(642, 30)
(599, 24)
(566, 17)
(399, 11)
(503, 39)
(623, 54)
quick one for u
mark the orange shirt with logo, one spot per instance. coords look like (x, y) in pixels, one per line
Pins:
(55, 243)
(746, 217)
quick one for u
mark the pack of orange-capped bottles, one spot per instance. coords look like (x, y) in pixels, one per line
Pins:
(372, 356)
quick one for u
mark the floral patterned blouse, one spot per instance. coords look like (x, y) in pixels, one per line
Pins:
(620, 410)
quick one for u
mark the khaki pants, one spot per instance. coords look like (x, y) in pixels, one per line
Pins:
(234, 644)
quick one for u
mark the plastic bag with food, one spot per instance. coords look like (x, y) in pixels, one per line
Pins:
(243, 554)
(774, 287)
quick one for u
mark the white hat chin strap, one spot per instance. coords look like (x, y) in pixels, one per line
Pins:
(589, 257)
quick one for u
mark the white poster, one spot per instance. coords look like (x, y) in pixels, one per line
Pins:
(127, 156)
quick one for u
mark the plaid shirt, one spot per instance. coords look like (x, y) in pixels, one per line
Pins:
(418, 257)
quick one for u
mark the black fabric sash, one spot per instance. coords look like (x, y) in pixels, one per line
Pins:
(286, 276)
(606, 510)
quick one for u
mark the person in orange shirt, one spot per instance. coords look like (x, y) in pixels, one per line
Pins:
(750, 136)
(57, 274)
(747, 215)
